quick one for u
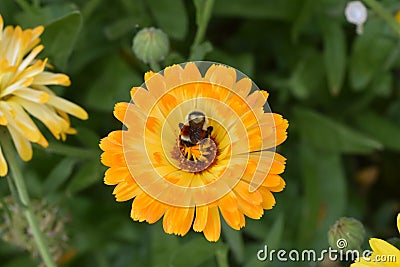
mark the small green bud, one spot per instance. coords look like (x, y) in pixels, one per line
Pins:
(150, 45)
(346, 234)
(15, 229)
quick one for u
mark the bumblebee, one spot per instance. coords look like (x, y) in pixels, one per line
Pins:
(194, 130)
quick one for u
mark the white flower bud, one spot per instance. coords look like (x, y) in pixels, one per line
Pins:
(356, 13)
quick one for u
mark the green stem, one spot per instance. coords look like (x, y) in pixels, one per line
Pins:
(22, 191)
(72, 151)
(381, 11)
(202, 21)
(154, 66)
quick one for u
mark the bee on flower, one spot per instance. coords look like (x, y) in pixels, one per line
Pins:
(196, 144)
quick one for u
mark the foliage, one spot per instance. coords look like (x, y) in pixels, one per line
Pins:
(339, 90)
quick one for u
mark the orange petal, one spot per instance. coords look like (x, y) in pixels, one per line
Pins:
(268, 198)
(115, 175)
(221, 75)
(155, 83)
(173, 76)
(243, 87)
(155, 211)
(228, 206)
(212, 231)
(126, 191)
(191, 73)
(201, 218)
(178, 220)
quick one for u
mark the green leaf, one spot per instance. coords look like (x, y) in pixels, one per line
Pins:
(170, 16)
(272, 241)
(120, 27)
(235, 241)
(222, 256)
(382, 84)
(382, 129)
(162, 246)
(90, 173)
(281, 10)
(195, 252)
(88, 137)
(328, 135)
(113, 83)
(308, 75)
(59, 38)
(324, 194)
(334, 54)
(304, 15)
(45, 15)
(370, 52)
(58, 175)
(244, 62)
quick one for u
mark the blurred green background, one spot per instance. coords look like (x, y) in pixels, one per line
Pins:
(340, 92)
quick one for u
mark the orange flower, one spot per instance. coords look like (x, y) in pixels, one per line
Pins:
(24, 91)
(196, 146)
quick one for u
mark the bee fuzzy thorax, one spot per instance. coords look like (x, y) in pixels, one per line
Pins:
(194, 130)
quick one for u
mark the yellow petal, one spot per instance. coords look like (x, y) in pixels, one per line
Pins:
(23, 123)
(32, 95)
(398, 222)
(382, 247)
(3, 119)
(46, 115)
(49, 78)
(22, 144)
(28, 60)
(1, 26)
(68, 107)
(3, 162)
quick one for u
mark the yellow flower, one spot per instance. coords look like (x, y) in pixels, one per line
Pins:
(383, 253)
(24, 92)
(196, 144)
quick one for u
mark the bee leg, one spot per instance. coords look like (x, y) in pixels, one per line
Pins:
(181, 125)
(209, 130)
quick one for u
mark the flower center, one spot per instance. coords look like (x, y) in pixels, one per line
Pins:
(195, 158)
(195, 150)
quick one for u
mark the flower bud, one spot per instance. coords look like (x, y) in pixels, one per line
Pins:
(150, 45)
(15, 229)
(356, 13)
(346, 234)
